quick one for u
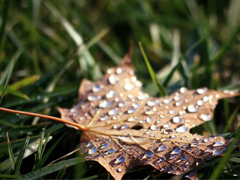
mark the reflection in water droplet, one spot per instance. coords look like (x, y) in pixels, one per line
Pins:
(119, 170)
(152, 103)
(129, 87)
(93, 98)
(216, 152)
(92, 150)
(119, 160)
(205, 117)
(181, 129)
(89, 144)
(105, 104)
(131, 119)
(192, 108)
(176, 150)
(113, 112)
(113, 79)
(201, 90)
(111, 94)
(104, 146)
(149, 154)
(218, 144)
(177, 119)
(130, 111)
(97, 88)
(154, 127)
(162, 148)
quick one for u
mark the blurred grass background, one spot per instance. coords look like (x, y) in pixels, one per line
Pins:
(48, 47)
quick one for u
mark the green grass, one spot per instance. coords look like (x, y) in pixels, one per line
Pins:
(58, 43)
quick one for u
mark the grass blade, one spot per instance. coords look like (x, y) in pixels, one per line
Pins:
(10, 152)
(21, 156)
(159, 86)
(231, 119)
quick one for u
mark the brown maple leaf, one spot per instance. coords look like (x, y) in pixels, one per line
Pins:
(124, 128)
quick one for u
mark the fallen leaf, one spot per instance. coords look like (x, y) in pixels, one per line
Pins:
(124, 128)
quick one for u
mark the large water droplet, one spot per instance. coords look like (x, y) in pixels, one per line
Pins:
(167, 101)
(93, 98)
(110, 151)
(113, 112)
(201, 90)
(104, 118)
(97, 88)
(205, 140)
(177, 119)
(119, 160)
(135, 105)
(205, 117)
(131, 119)
(200, 103)
(111, 94)
(105, 104)
(218, 144)
(166, 126)
(205, 98)
(154, 127)
(119, 70)
(152, 103)
(122, 104)
(129, 86)
(151, 111)
(181, 129)
(162, 148)
(183, 157)
(192, 108)
(176, 150)
(113, 79)
(130, 111)
(149, 154)
(177, 97)
(143, 96)
(92, 150)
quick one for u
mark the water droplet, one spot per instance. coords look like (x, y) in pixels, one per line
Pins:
(205, 117)
(113, 112)
(129, 86)
(104, 146)
(111, 94)
(216, 152)
(151, 111)
(172, 112)
(97, 88)
(93, 98)
(177, 119)
(130, 111)
(110, 151)
(104, 118)
(183, 90)
(194, 144)
(92, 150)
(167, 101)
(149, 154)
(205, 98)
(166, 126)
(177, 97)
(119, 160)
(113, 79)
(158, 122)
(105, 104)
(181, 129)
(108, 140)
(149, 119)
(119, 170)
(115, 126)
(162, 148)
(218, 144)
(179, 103)
(131, 119)
(152, 103)
(192, 108)
(89, 144)
(205, 140)
(183, 157)
(201, 90)
(122, 104)
(119, 70)
(200, 103)
(176, 150)
(154, 127)
(125, 126)
(164, 169)
(135, 105)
